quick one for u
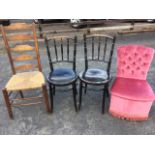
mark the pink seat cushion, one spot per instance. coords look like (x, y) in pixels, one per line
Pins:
(132, 89)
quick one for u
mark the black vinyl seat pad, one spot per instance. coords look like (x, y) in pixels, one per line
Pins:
(62, 76)
(94, 75)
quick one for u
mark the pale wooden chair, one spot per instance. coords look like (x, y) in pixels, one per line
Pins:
(25, 64)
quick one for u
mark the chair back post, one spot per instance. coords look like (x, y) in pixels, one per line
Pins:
(74, 53)
(36, 46)
(92, 48)
(99, 47)
(111, 54)
(85, 52)
(62, 50)
(8, 49)
(48, 54)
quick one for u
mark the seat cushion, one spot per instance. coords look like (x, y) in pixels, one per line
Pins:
(62, 76)
(25, 81)
(132, 89)
(94, 75)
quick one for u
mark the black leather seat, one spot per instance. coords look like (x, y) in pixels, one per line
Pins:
(94, 75)
(62, 76)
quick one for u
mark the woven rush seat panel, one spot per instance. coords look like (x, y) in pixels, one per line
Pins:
(25, 81)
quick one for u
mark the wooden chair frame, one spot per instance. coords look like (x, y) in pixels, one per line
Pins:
(21, 49)
(83, 82)
(61, 59)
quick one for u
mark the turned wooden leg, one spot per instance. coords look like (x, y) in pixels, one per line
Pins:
(74, 96)
(51, 96)
(45, 95)
(80, 95)
(7, 102)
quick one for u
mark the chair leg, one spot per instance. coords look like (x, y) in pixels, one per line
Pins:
(85, 91)
(107, 90)
(45, 94)
(74, 96)
(7, 102)
(53, 90)
(80, 95)
(21, 94)
(51, 95)
(104, 100)
(76, 90)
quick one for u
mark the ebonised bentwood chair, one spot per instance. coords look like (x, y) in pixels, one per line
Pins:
(63, 52)
(96, 76)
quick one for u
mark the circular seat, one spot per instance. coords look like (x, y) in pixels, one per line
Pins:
(62, 76)
(94, 76)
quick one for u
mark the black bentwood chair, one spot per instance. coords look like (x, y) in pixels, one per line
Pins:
(62, 52)
(97, 48)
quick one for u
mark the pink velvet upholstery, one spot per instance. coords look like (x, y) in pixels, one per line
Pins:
(134, 61)
(132, 89)
(131, 94)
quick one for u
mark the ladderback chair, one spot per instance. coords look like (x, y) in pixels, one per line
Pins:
(22, 48)
(131, 94)
(97, 48)
(61, 51)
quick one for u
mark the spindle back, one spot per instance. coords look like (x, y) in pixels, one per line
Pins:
(61, 49)
(99, 48)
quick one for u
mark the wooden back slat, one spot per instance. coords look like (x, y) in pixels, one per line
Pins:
(55, 47)
(99, 46)
(24, 57)
(92, 47)
(68, 49)
(62, 57)
(105, 48)
(18, 26)
(26, 67)
(19, 48)
(20, 37)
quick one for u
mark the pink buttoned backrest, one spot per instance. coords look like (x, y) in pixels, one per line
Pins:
(133, 61)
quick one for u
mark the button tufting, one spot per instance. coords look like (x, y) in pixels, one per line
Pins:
(134, 63)
(144, 64)
(128, 67)
(139, 59)
(124, 62)
(138, 68)
(132, 72)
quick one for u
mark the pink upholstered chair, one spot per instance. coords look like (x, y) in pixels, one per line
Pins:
(131, 94)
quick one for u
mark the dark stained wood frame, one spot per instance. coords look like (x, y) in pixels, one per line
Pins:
(60, 58)
(83, 82)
